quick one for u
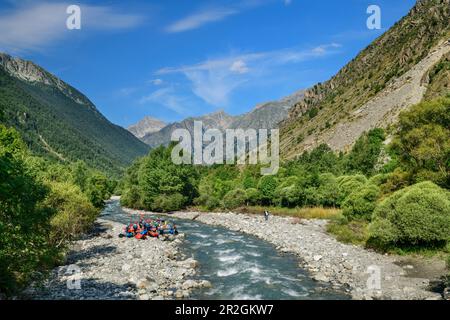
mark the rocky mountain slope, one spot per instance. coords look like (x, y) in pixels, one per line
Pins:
(264, 116)
(219, 120)
(388, 76)
(57, 121)
(146, 126)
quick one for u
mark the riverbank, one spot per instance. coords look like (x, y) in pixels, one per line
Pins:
(344, 266)
(113, 268)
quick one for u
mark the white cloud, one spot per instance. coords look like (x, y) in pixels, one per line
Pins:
(239, 66)
(127, 91)
(34, 26)
(324, 49)
(213, 14)
(214, 80)
(167, 98)
(156, 82)
(201, 18)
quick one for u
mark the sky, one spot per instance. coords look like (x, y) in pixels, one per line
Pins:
(173, 59)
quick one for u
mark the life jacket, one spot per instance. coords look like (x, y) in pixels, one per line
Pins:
(139, 236)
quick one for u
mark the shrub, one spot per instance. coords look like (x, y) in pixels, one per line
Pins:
(327, 194)
(287, 193)
(361, 202)
(354, 232)
(234, 198)
(131, 198)
(395, 180)
(167, 203)
(416, 215)
(348, 184)
(74, 212)
(252, 196)
(266, 187)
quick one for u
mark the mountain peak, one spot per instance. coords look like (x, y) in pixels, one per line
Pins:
(31, 73)
(145, 126)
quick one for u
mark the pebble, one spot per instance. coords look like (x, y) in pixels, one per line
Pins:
(120, 268)
(344, 265)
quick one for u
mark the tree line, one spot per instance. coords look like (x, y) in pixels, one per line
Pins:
(398, 192)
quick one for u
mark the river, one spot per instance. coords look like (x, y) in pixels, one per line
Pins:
(239, 266)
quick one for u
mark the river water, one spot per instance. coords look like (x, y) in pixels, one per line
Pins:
(239, 266)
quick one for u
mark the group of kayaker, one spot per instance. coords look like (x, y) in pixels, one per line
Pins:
(155, 228)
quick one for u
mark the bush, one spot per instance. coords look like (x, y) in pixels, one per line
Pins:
(348, 184)
(327, 194)
(266, 187)
(252, 196)
(287, 193)
(234, 199)
(131, 198)
(167, 203)
(74, 212)
(354, 232)
(416, 215)
(361, 202)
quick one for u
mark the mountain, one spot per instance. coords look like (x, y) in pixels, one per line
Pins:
(263, 116)
(219, 120)
(267, 115)
(397, 70)
(57, 121)
(146, 126)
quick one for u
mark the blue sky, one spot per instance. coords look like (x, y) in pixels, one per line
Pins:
(173, 59)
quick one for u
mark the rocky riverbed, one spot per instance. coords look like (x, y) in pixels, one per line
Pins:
(364, 273)
(101, 265)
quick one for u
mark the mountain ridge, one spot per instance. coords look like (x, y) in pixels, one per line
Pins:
(372, 86)
(59, 122)
(263, 116)
(145, 126)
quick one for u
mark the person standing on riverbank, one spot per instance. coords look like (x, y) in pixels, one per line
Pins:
(266, 215)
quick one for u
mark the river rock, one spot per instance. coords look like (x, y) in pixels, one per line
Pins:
(143, 284)
(191, 263)
(144, 297)
(189, 284)
(319, 250)
(205, 284)
(125, 269)
(317, 257)
(321, 277)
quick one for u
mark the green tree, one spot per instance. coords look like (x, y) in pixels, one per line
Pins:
(160, 177)
(266, 187)
(365, 153)
(234, 199)
(24, 224)
(422, 142)
(98, 189)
